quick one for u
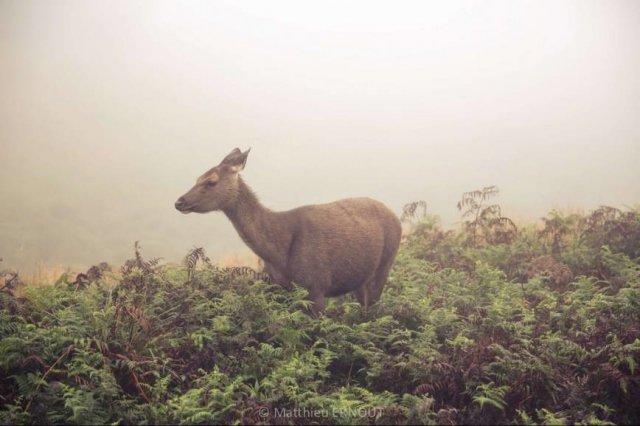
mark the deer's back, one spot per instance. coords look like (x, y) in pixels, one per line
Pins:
(345, 218)
(349, 238)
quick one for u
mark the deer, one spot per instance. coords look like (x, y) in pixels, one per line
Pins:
(332, 249)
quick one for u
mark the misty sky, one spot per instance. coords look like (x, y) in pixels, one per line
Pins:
(110, 110)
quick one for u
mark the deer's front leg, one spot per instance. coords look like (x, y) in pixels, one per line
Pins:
(277, 277)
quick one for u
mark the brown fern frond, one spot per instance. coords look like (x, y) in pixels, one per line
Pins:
(246, 271)
(410, 210)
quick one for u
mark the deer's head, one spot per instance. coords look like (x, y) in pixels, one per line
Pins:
(218, 188)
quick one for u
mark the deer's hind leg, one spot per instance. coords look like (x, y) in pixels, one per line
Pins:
(363, 295)
(369, 292)
(382, 271)
(376, 285)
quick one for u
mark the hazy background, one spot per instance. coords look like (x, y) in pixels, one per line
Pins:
(110, 110)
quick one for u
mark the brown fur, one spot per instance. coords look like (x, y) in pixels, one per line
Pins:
(330, 249)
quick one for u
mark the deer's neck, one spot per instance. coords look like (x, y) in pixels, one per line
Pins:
(266, 232)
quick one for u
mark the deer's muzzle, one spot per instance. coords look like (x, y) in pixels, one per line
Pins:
(181, 205)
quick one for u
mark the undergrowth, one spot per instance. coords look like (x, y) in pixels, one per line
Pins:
(469, 330)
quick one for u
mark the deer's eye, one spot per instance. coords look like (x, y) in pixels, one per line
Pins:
(210, 184)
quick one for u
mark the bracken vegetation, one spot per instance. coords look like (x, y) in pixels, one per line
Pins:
(489, 324)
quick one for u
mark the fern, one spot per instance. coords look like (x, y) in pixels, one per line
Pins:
(540, 327)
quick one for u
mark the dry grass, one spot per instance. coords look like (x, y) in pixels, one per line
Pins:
(245, 258)
(43, 274)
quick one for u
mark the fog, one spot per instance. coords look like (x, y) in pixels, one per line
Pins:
(110, 110)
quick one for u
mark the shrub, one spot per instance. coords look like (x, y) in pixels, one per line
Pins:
(488, 334)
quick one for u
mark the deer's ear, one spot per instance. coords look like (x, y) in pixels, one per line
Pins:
(236, 159)
(232, 155)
